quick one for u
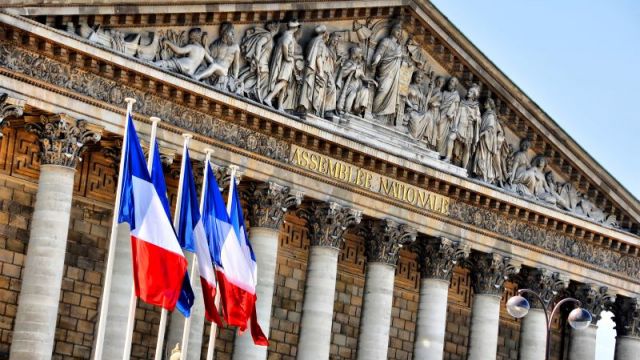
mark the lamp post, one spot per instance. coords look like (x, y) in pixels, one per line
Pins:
(518, 307)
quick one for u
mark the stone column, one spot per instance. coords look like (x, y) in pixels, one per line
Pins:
(326, 223)
(533, 332)
(268, 203)
(627, 318)
(437, 257)
(595, 299)
(383, 240)
(488, 274)
(61, 141)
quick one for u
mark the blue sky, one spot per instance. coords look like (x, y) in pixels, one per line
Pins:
(578, 60)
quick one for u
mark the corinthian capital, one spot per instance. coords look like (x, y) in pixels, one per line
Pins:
(62, 138)
(438, 256)
(327, 222)
(626, 315)
(489, 272)
(544, 282)
(593, 298)
(268, 202)
(9, 108)
(384, 238)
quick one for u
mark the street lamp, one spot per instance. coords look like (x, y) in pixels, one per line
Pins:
(518, 307)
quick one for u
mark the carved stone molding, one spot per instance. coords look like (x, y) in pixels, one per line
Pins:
(551, 240)
(8, 109)
(62, 138)
(268, 203)
(384, 238)
(626, 315)
(489, 271)
(327, 222)
(593, 297)
(147, 103)
(546, 283)
(438, 256)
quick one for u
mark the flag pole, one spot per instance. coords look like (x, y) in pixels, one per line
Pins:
(176, 221)
(133, 300)
(194, 264)
(232, 184)
(106, 290)
(176, 217)
(214, 327)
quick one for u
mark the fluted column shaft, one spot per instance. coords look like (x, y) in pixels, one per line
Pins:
(489, 271)
(268, 203)
(327, 223)
(61, 139)
(121, 289)
(383, 240)
(35, 325)
(438, 257)
(485, 322)
(432, 319)
(265, 245)
(627, 348)
(583, 343)
(533, 335)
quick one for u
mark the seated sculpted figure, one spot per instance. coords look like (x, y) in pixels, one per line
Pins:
(225, 53)
(188, 58)
(419, 121)
(533, 183)
(353, 85)
(520, 161)
(566, 195)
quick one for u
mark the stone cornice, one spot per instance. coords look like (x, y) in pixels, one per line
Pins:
(279, 130)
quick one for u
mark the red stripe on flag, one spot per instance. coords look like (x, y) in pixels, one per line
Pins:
(157, 273)
(239, 307)
(209, 293)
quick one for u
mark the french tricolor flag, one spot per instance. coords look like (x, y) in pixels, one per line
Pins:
(193, 237)
(237, 271)
(159, 266)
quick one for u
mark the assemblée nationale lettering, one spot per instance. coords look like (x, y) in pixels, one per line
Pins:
(368, 180)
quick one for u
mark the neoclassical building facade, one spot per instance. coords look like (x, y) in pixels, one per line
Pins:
(398, 187)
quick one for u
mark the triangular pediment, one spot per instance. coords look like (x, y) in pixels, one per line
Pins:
(342, 68)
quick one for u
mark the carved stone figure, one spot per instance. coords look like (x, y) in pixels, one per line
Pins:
(225, 56)
(519, 161)
(567, 197)
(533, 183)
(588, 209)
(331, 63)
(448, 110)
(500, 165)
(282, 65)
(387, 60)
(353, 85)
(463, 134)
(294, 88)
(256, 48)
(434, 101)
(189, 57)
(420, 122)
(315, 78)
(487, 151)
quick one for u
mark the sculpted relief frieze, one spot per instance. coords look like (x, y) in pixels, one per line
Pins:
(63, 75)
(112, 92)
(373, 72)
